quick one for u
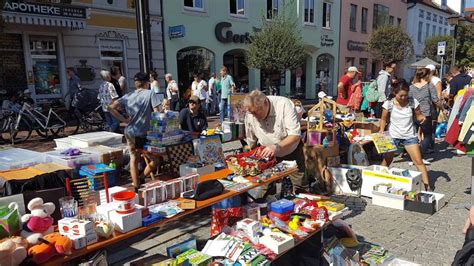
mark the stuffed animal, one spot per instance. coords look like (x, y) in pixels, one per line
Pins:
(52, 245)
(13, 250)
(39, 222)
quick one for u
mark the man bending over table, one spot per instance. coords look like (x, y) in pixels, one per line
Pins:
(272, 121)
(138, 106)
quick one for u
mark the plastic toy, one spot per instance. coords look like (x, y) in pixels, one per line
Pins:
(13, 250)
(38, 222)
(294, 223)
(441, 130)
(52, 244)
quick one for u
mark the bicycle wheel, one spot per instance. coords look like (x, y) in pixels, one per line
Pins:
(16, 135)
(71, 127)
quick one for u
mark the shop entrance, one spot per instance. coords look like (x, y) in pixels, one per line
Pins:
(234, 60)
(190, 61)
(45, 63)
(298, 82)
(325, 73)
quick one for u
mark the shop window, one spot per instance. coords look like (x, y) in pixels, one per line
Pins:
(194, 4)
(12, 65)
(380, 15)
(298, 82)
(272, 8)
(353, 17)
(391, 20)
(326, 15)
(349, 62)
(365, 13)
(112, 54)
(44, 58)
(324, 73)
(363, 68)
(309, 11)
(237, 7)
(190, 61)
(234, 60)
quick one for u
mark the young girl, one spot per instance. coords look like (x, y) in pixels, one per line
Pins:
(399, 110)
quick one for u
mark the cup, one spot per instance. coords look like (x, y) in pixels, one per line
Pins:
(68, 207)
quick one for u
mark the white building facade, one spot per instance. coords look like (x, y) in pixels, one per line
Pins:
(425, 19)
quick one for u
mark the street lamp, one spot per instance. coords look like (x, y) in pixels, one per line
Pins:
(455, 21)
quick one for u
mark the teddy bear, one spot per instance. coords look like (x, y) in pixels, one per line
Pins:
(50, 246)
(13, 250)
(38, 222)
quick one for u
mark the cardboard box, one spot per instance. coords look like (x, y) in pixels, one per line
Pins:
(440, 199)
(67, 226)
(376, 174)
(112, 190)
(277, 242)
(249, 227)
(78, 241)
(339, 178)
(173, 189)
(186, 204)
(106, 209)
(190, 182)
(91, 238)
(388, 200)
(148, 196)
(126, 222)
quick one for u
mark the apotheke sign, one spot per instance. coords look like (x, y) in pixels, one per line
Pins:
(45, 9)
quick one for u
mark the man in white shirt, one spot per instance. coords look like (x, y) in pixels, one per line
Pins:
(211, 95)
(272, 122)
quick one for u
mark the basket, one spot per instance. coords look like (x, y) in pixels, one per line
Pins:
(249, 163)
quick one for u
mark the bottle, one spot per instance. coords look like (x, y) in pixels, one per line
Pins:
(112, 164)
(325, 142)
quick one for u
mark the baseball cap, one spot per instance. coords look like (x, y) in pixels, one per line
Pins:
(353, 69)
(430, 67)
(321, 94)
(194, 99)
(140, 76)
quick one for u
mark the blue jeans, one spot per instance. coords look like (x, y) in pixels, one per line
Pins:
(223, 109)
(405, 142)
(112, 122)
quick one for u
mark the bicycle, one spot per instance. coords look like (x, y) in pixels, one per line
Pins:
(12, 132)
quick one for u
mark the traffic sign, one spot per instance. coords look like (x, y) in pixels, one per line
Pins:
(441, 48)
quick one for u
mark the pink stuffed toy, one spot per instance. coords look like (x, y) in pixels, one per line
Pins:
(39, 222)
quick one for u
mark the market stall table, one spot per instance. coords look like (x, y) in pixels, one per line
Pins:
(117, 237)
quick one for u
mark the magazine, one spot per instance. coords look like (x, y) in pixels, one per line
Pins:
(383, 142)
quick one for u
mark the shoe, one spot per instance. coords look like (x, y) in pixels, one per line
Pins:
(426, 162)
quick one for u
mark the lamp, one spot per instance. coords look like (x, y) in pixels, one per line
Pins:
(455, 21)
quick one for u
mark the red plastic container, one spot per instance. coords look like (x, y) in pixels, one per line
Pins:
(282, 216)
(126, 201)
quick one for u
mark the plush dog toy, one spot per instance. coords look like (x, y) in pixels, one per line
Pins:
(13, 251)
(39, 222)
(51, 245)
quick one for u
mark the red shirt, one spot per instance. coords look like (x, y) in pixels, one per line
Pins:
(346, 83)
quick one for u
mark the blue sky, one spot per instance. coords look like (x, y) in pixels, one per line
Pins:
(470, 3)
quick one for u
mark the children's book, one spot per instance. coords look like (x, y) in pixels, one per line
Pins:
(383, 142)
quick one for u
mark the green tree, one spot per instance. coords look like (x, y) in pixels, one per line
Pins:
(431, 48)
(465, 45)
(390, 43)
(278, 45)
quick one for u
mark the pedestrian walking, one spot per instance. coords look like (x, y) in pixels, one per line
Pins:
(425, 93)
(344, 86)
(172, 92)
(154, 84)
(199, 89)
(227, 87)
(74, 85)
(138, 105)
(107, 95)
(401, 111)
(384, 85)
(212, 95)
(121, 80)
(457, 83)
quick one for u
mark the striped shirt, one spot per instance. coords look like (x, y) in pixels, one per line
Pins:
(426, 96)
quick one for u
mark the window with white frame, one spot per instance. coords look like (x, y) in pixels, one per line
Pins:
(237, 7)
(420, 31)
(326, 15)
(363, 26)
(194, 4)
(445, 31)
(428, 15)
(272, 8)
(435, 18)
(427, 33)
(309, 11)
(353, 18)
(439, 30)
(433, 32)
(421, 14)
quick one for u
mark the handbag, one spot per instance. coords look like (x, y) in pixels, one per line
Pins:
(208, 189)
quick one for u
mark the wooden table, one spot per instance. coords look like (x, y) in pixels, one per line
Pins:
(117, 237)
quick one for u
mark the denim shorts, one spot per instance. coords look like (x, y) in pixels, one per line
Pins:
(405, 142)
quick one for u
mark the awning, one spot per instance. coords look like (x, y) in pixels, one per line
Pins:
(39, 20)
(424, 62)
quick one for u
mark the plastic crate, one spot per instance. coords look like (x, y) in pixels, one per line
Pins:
(15, 158)
(63, 143)
(96, 138)
(388, 200)
(73, 161)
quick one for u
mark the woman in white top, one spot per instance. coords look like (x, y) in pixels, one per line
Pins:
(107, 95)
(435, 80)
(154, 85)
(401, 112)
(172, 92)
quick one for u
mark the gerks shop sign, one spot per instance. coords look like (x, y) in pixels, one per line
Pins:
(225, 35)
(45, 9)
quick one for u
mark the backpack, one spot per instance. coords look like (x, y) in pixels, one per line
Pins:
(372, 94)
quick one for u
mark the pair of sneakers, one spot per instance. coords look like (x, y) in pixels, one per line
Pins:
(426, 162)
